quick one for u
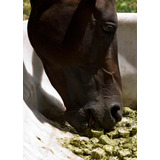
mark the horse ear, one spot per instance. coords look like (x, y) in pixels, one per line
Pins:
(32, 2)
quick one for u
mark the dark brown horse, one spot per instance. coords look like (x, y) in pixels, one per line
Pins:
(76, 42)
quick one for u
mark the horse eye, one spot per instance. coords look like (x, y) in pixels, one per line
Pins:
(108, 28)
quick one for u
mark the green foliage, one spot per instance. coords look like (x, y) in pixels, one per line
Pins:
(26, 9)
(122, 6)
(126, 5)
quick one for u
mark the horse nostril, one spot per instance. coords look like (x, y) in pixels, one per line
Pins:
(91, 118)
(115, 112)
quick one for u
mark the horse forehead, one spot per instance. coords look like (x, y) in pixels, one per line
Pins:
(105, 10)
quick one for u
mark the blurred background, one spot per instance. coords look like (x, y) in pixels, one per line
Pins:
(126, 6)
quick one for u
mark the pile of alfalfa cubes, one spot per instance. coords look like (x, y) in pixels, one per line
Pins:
(119, 144)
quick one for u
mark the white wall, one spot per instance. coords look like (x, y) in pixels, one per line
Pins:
(127, 44)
